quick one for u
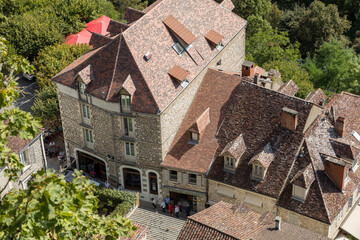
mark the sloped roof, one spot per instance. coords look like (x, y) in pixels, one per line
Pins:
(228, 4)
(342, 150)
(201, 123)
(178, 73)
(305, 177)
(264, 157)
(116, 27)
(98, 40)
(236, 147)
(225, 221)
(129, 86)
(86, 74)
(214, 37)
(289, 88)
(318, 97)
(132, 15)
(124, 55)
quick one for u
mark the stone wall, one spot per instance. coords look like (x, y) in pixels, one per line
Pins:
(259, 203)
(36, 162)
(232, 57)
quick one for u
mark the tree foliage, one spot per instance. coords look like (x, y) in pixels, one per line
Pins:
(51, 208)
(121, 5)
(335, 67)
(314, 25)
(46, 104)
(32, 25)
(290, 70)
(13, 121)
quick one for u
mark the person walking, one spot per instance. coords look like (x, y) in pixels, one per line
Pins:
(187, 210)
(180, 205)
(163, 205)
(167, 201)
(171, 210)
(177, 210)
(154, 204)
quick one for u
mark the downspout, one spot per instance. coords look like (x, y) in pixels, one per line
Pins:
(43, 151)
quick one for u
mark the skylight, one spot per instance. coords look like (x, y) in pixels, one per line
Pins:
(356, 135)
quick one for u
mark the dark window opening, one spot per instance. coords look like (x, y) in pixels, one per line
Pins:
(173, 175)
(153, 183)
(132, 179)
(192, 178)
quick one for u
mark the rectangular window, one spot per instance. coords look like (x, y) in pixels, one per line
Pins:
(82, 87)
(130, 149)
(194, 136)
(192, 178)
(24, 157)
(230, 162)
(125, 101)
(173, 175)
(258, 171)
(89, 135)
(350, 202)
(128, 126)
(86, 111)
(178, 48)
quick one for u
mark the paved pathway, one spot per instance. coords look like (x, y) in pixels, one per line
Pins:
(161, 226)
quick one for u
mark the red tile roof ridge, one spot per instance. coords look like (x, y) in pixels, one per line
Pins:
(114, 71)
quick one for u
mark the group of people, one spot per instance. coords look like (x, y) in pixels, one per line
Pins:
(172, 207)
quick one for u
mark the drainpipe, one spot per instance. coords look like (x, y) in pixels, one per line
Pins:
(43, 151)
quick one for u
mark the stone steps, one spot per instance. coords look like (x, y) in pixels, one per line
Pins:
(161, 226)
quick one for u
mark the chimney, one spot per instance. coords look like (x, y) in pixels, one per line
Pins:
(256, 78)
(248, 69)
(278, 223)
(147, 56)
(340, 126)
(335, 169)
(289, 118)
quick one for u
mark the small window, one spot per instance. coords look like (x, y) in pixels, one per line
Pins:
(350, 202)
(82, 87)
(89, 136)
(173, 175)
(220, 46)
(229, 162)
(128, 126)
(24, 157)
(192, 178)
(125, 101)
(258, 171)
(153, 183)
(178, 48)
(129, 149)
(86, 111)
(299, 193)
(194, 136)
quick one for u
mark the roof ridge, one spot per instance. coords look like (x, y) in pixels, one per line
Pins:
(115, 65)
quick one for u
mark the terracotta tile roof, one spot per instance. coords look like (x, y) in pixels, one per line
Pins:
(324, 195)
(178, 73)
(224, 221)
(305, 177)
(342, 150)
(259, 70)
(132, 15)
(289, 88)
(139, 234)
(214, 37)
(236, 147)
(265, 156)
(228, 4)
(318, 97)
(86, 74)
(124, 55)
(255, 112)
(179, 29)
(201, 123)
(181, 154)
(17, 144)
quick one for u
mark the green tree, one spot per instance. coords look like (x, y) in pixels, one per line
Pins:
(50, 62)
(275, 15)
(121, 5)
(245, 8)
(13, 121)
(314, 25)
(290, 70)
(51, 208)
(335, 67)
(256, 24)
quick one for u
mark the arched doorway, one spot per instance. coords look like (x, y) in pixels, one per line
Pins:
(88, 164)
(153, 183)
(132, 179)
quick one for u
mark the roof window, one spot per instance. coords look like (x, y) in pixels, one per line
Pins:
(178, 48)
(215, 38)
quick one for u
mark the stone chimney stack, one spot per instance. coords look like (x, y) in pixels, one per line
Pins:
(256, 78)
(340, 126)
(278, 223)
(289, 118)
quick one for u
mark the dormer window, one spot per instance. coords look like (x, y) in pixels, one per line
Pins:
(82, 87)
(232, 153)
(194, 136)
(299, 193)
(229, 162)
(261, 162)
(301, 183)
(125, 102)
(215, 39)
(258, 171)
(220, 46)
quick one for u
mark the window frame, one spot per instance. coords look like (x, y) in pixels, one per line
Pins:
(295, 191)
(219, 46)
(191, 179)
(89, 138)
(130, 149)
(152, 175)
(85, 111)
(173, 173)
(82, 88)
(229, 162)
(176, 47)
(125, 101)
(128, 125)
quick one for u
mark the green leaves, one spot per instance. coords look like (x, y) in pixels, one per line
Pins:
(53, 209)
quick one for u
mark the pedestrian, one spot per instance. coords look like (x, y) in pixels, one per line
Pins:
(180, 205)
(177, 210)
(187, 210)
(93, 174)
(154, 204)
(120, 188)
(167, 201)
(107, 184)
(163, 205)
(171, 210)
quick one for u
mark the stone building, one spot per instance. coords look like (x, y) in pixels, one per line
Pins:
(32, 156)
(122, 102)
